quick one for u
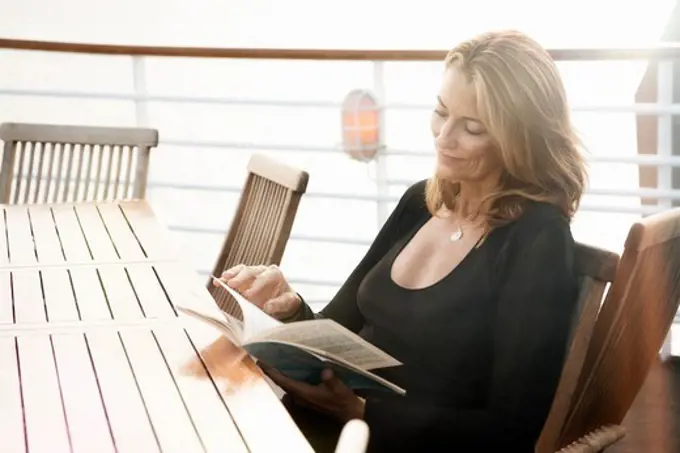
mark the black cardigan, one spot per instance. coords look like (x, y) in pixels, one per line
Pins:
(482, 349)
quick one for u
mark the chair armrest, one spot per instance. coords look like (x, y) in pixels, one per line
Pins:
(597, 440)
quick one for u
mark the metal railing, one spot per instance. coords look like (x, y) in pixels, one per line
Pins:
(664, 161)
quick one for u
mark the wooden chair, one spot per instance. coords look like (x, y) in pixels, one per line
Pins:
(263, 221)
(596, 269)
(628, 334)
(45, 163)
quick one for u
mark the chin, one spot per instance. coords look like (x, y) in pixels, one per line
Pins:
(446, 172)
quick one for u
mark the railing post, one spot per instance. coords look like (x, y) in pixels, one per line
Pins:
(664, 150)
(139, 84)
(381, 176)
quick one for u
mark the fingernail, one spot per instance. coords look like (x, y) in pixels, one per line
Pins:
(327, 374)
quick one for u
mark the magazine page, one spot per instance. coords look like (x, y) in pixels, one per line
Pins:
(230, 327)
(333, 339)
(255, 321)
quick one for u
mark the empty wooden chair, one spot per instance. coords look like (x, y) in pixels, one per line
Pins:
(46, 163)
(628, 334)
(262, 223)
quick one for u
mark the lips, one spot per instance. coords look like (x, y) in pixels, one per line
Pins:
(450, 157)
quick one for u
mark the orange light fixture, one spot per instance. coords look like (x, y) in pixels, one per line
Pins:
(361, 125)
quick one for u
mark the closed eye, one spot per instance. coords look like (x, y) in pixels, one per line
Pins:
(473, 132)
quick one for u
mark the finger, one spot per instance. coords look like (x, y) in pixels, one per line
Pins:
(242, 281)
(283, 305)
(264, 286)
(307, 404)
(286, 383)
(334, 384)
(231, 272)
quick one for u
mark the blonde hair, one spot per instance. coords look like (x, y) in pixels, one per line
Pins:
(522, 102)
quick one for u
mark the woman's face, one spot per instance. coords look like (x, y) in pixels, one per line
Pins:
(465, 151)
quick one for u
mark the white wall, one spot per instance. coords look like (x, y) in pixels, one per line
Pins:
(328, 24)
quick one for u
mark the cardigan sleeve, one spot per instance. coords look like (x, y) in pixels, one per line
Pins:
(536, 297)
(343, 307)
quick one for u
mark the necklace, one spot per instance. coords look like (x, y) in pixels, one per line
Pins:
(457, 235)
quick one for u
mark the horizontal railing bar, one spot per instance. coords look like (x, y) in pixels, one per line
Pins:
(645, 160)
(661, 51)
(293, 237)
(394, 199)
(646, 109)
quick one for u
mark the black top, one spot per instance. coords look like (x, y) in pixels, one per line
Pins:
(482, 348)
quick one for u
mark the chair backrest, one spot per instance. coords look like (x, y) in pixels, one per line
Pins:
(595, 269)
(631, 326)
(262, 223)
(47, 163)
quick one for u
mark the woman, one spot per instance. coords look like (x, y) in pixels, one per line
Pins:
(470, 282)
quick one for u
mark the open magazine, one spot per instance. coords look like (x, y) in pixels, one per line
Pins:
(302, 349)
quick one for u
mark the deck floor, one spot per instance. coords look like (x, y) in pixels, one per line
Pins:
(653, 422)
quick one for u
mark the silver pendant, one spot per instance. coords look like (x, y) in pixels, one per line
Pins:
(456, 235)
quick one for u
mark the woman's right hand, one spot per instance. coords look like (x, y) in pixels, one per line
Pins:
(264, 286)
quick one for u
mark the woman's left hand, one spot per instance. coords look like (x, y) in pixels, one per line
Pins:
(332, 396)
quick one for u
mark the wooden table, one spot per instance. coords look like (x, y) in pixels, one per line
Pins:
(93, 356)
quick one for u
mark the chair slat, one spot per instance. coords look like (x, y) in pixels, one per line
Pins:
(79, 172)
(61, 147)
(29, 171)
(60, 152)
(68, 149)
(128, 173)
(39, 173)
(119, 163)
(19, 171)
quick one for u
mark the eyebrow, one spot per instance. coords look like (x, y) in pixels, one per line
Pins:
(469, 118)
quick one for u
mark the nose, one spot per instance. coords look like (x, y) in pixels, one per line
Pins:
(445, 137)
(446, 142)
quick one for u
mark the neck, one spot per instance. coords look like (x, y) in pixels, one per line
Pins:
(470, 197)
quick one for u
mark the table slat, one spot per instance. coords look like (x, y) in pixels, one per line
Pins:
(125, 407)
(174, 427)
(46, 427)
(154, 239)
(120, 294)
(6, 300)
(90, 298)
(29, 306)
(11, 413)
(85, 413)
(96, 235)
(126, 243)
(149, 289)
(21, 248)
(47, 241)
(72, 239)
(3, 239)
(59, 299)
